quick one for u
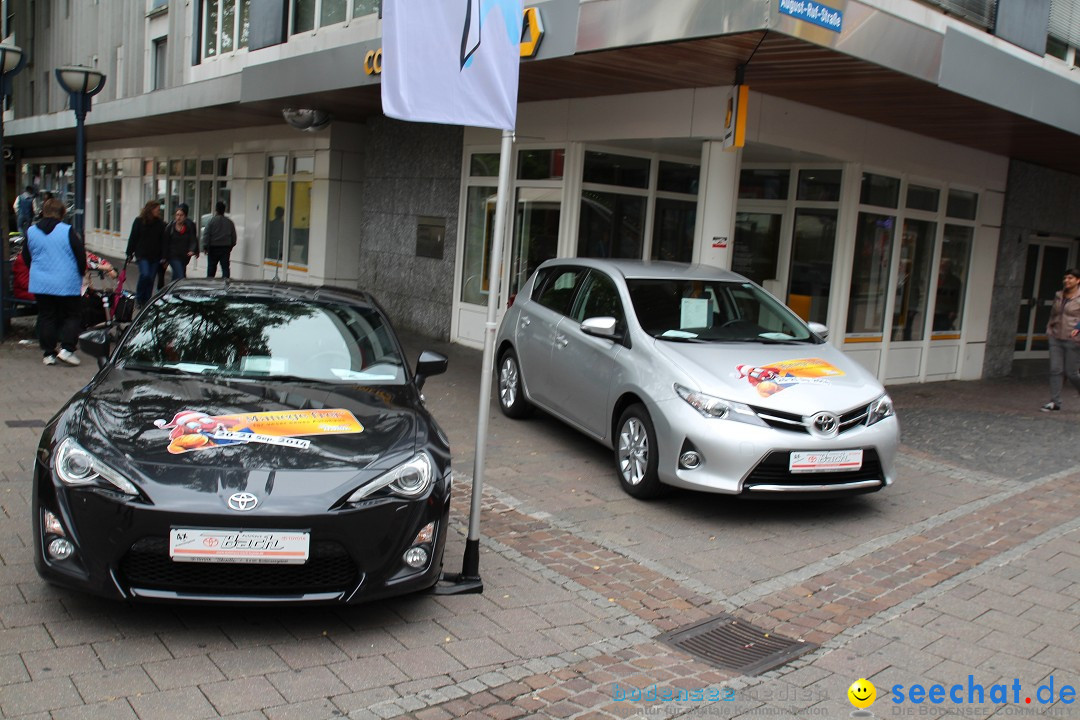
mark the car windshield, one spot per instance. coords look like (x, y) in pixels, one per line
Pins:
(713, 311)
(263, 337)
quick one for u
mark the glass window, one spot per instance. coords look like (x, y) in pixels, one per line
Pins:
(819, 185)
(206, 205)
(536, 232)
(608, 169)
(962, 204)
(210, 28)
(331, 12)
(206, 167)
(923, 198)
(870, 273)
(678, 177)
(764, 184)
(557, 291)
(226, 41)
(479, 224)
(176, 168)
(952, 278)
(304, 165)
(262, 337)
(275, 219)
(1057, 48)
(189, 193)
(303, 16)
(810, 278)
(484, 165)
(365, 7)
(224, 167)
(880, 190)
(540, 164)
(611, 225)
(160, 63)
(162, 167)
(299, 222)
(276, 164)
(756, 252)
(245, 23)
(148, 167)
(673, 230)
(913, 280)
(599, 298)
(189, 167)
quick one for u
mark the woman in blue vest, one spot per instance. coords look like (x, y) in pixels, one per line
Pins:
(56, 257)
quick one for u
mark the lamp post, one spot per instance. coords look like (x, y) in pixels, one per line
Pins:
(81, 83)
(12, 60)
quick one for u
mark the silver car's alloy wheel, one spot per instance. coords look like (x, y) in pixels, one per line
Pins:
(508, 381)
(633, 451)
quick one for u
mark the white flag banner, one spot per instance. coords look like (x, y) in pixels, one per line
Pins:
(453, 62)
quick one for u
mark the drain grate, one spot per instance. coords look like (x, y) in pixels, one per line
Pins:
(727, 642)
(25, 423)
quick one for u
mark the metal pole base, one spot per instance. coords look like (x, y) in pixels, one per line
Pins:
(468, 580)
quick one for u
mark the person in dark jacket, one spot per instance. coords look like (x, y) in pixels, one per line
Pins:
(218, 242)
(181, 242)
(56, 256)
(145, 246)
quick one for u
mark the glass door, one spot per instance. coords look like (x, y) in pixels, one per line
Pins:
(1047, 261)
(536, 232)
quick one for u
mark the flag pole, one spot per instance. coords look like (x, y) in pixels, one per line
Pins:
(468, 581)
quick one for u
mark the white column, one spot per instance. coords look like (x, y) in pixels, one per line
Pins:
(718, 192)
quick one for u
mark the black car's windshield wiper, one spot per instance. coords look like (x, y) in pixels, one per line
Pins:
(160, 369)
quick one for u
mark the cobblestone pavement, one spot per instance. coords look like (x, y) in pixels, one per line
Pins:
(966, 573)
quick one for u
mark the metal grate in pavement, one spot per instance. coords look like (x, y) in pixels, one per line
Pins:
(729, 643)
(25, 423)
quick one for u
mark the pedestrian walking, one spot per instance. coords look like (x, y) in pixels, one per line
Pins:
(219, 241)
(1063, 334)
(56, 256)
(145, 247)
(24, 209)
(181, 242)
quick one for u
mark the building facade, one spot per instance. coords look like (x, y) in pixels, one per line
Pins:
(903, 172)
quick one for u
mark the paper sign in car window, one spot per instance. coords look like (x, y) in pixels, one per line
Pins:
(195, 430)
(694, 313)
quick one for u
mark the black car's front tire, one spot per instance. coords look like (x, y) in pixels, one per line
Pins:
(637, 454)
(512, 400)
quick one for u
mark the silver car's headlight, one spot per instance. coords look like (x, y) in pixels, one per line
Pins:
(408, 480)
(880, 409)
(76, 466)
(718, 408)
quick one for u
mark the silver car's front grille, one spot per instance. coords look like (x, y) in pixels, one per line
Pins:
(797, 423)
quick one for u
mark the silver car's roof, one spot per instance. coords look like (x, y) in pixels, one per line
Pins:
(645, 269)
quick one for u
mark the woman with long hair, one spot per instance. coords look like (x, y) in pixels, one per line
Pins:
(145, 246)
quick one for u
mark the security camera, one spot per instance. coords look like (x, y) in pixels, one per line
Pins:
(306, 119)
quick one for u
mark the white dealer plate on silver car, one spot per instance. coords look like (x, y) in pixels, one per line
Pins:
(830, 461)
(239, 546)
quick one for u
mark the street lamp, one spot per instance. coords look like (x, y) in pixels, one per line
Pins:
(81, 83)
(12, 60)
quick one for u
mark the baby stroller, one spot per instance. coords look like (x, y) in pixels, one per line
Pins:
(107, 307)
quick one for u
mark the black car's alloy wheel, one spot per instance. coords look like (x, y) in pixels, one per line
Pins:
(636, 454)
(511, 392)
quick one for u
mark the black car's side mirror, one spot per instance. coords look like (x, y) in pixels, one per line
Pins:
(97, 343)
(430, 363)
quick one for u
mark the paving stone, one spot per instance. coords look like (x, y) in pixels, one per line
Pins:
(113, 710)
(244, 694)
(310, 653)
(425, 662)
(188, 671)
(367, 673)
(311, 710)
(106, 685)
(248, 661)
(38, 696)
(130, 651)
(172, 704)
(307, 684)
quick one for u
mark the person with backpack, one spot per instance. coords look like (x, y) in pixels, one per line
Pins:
(219, 241)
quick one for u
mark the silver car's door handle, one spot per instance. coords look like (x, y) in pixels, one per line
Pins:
(525, 322)
(561, 341)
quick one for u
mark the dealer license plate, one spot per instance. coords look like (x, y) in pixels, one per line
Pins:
(288, 547)
(830, 461)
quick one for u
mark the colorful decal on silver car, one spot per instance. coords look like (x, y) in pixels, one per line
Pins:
(774, 377)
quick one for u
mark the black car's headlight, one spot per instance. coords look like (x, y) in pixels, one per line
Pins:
(409, 480)
(880, 409)
(718, 408)
(75, 466)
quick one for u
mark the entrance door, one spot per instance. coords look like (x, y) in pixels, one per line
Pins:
(1047, 261)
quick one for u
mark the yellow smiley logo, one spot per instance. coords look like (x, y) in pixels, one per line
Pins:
(862, 693)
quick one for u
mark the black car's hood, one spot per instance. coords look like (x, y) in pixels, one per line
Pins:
(182, 437)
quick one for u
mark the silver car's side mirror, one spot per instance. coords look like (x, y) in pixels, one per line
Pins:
(600, 327)
(820, 330)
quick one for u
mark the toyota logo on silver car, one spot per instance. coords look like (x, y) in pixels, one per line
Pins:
(825, 424)
(243, 501)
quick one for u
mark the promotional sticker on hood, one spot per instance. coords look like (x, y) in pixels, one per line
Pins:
(195, 430)
(774, 377)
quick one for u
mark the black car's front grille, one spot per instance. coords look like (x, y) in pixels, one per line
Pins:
(773, 470)
(328, 569)
(795, 423)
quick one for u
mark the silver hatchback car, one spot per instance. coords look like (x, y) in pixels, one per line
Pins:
(697, 378)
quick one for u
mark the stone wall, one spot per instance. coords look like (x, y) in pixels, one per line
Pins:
(1038, 201)
(410, 170)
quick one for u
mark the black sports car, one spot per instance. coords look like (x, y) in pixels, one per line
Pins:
(246, 442)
